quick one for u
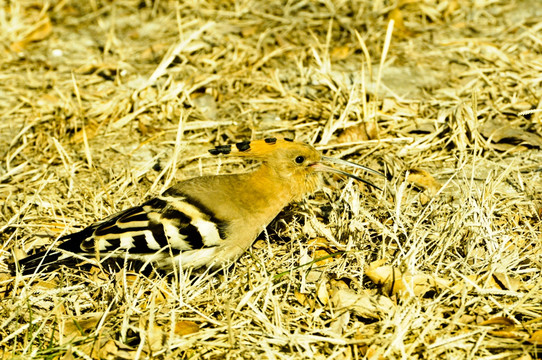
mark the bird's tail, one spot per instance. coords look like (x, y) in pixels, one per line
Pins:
(50, 259)
(69, 254)
(43, 261)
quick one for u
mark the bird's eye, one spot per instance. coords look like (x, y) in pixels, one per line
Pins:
(299, 159)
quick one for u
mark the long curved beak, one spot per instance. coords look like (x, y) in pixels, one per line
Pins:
(324, 168)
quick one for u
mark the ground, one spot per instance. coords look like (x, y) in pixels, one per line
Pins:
(106, 103)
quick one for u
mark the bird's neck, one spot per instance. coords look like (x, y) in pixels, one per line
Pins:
(280, 187)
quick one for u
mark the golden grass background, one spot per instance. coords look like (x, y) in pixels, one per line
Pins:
(106, 103)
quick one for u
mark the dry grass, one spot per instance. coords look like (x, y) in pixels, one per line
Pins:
(106, 103)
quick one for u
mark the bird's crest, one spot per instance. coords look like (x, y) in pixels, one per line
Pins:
(255, 148)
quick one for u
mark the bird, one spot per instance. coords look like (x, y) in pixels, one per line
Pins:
(202, 221)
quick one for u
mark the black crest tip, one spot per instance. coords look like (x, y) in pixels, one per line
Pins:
(243, 146)
(222, 149)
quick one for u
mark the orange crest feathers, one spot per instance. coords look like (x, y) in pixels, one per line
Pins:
(255, 148)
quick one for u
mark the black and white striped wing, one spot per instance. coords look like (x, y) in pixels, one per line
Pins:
(163, 225)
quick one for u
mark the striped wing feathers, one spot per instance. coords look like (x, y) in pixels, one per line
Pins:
(161, 223)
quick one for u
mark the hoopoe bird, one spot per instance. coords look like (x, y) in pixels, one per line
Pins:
(204, 221)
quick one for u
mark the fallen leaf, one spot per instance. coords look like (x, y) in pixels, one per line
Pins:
(42, 30)
(322, 292)
(324, 255)
(319, 242)
(361, 132)
(453, 5)
(361, 304)
(78, 326)
(536, 338)
(67, 356)
(504, 137)
(403, 284)
(89, 130)
(154, 51)
(155, 337)
(499, 321)
(424, 180)
(466, 319)
(304, 299)
(416, 128)
(504, 328)
(113, 349)
(48, 100)
(205, 103)
(185, 327)
(340, 52)
(508, 334)
(249, 31)
(505, 282)
(340, 323)
(397, 16)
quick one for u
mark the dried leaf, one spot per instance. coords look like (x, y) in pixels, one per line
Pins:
(403, 284)
(206, 104)
(40, 284)
(324, 255)
(340, 52)
(42, 30)
(113, 349)
(154, 51)
(415, 128)
(361, 304)
(508, 334)
(339, 284)
(453, 5)
(155, 337)
(89, 130)
(81, 325)
(360, 132)
(424, 180)
(185, 327)
(320, 242)
(304, 299)
(505, 282)
(48, 101)
(503, 136)
(249, 31)
(397, 16)
(536, 338)
(499, 321)
(322, 292)
(340, 323)
(67, 356)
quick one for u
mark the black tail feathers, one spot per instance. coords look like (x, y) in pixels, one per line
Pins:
(44, 261)
(50, 259)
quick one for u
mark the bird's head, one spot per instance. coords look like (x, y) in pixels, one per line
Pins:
(290, 160)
